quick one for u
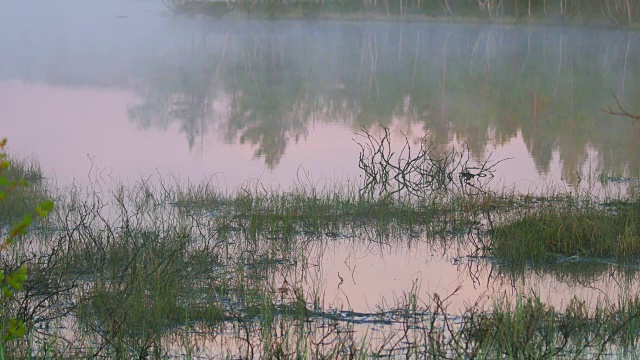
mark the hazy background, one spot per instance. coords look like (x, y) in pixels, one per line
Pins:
(122, 89)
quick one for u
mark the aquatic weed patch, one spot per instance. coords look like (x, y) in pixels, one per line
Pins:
(155, 270)
(25, 182)
(415, 327)
(301, 211)
(528, 328)
(158, 276)
(573, 227)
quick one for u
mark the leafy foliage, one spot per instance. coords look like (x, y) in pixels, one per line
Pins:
(12, 280)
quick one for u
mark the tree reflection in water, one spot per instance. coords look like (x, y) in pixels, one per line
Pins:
(268, 84)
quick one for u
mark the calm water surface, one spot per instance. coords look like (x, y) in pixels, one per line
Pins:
(120, 90)
(129, 89)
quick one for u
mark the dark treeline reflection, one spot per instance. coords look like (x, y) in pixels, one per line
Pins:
(267, 83)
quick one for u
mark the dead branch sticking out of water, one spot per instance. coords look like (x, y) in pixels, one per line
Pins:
(418, 173)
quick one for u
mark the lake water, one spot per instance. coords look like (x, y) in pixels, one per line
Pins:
(121, 90)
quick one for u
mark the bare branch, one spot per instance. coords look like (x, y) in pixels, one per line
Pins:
(421, 173)
(621, 110)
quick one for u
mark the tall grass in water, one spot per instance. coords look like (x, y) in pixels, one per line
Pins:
(19, 206)
(296, 211)
(131, 272)
(25, 179)
(152, 262)
(528, 328)
(572, 226)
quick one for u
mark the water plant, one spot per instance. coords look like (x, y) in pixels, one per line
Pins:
(13, 275)
(153, 269)
(574, 226)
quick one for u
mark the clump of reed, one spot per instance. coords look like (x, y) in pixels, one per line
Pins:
(528, 328)
(151, 266)
(573, 226)
(135, 272)
(25, 184)
(406, 189)
(315, 213)
(414, 328)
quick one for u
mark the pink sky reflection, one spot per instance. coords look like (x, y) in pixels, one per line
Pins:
(64, 127)
(375, 275)
(67, 129)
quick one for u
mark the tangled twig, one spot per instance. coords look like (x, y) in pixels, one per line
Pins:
(418, 173)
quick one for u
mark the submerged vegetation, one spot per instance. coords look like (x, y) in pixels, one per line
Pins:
(158, 270)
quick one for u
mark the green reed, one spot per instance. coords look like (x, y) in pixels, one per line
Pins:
(154, 266)
(572, 226)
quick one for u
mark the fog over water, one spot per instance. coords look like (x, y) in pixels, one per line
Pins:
(125, 87)
(100, 91)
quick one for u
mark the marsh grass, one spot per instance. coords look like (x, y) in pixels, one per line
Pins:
(571, 227)
(527, 328)
(334, 213)
(524, 328)
(26, 184)
(148, 269)
(156, 262)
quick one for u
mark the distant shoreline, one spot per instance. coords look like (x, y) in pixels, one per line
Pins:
(342, 12)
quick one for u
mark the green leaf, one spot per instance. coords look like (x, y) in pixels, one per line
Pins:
(19, 229)
(44, 208)
(17, 278)
(47, 205)
(6, 292)
(21, 273)
(15, 329)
